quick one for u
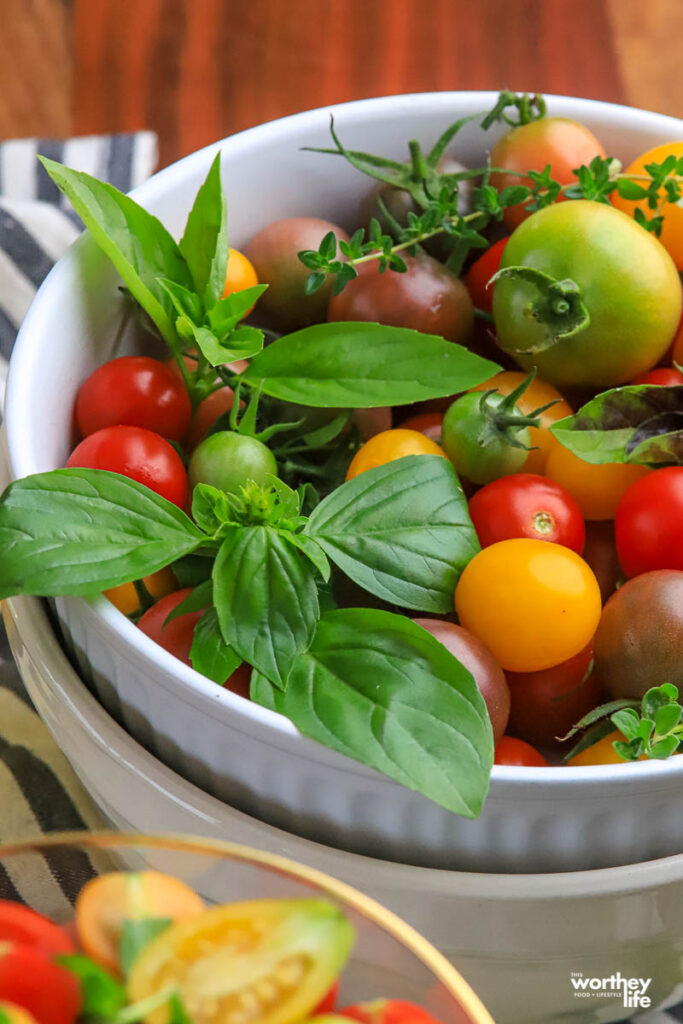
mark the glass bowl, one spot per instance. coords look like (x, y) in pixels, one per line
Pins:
(390, 959)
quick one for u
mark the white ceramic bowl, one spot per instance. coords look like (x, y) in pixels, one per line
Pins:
(534, 819)
(515, 938)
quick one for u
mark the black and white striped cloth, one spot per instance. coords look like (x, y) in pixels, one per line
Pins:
(38, 790)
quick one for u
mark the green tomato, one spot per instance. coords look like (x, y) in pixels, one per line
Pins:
(627, 285)
(480, 448)
(228, 461)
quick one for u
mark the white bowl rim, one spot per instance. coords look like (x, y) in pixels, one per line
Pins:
(190, 685)
(45, 650)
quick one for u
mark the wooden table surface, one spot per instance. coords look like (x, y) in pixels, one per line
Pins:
(196, 70)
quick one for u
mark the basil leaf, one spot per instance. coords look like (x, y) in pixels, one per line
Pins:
(362, 365)
(380, 689)
(199, 599)
(101, 994)
(241, 343)
(135, 241)
(178, 1013)
(402, 531)
(227, 313)
(266, 598)
(209, 653)
(185, 302)
(205, 241)
(211, 509)
(640, 424)
(311, 548)
(135, 935)
(191, 570)
(81, 531)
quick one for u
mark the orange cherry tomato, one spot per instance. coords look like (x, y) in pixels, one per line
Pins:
(601, 752)
(533, 604)
(105, 902)
(537, 394)
(125, 596)
(481, 272)
(672, 228)
(240, 273)
(598, 489)
(427, 423)
(511, 751)
(389, 446)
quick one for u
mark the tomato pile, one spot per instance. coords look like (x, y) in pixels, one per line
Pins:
(146, 942)
(471, 404)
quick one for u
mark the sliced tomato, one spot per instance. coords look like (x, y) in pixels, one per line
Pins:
(22, 925)
(279, 957)
(31, 980)
(388, 1011)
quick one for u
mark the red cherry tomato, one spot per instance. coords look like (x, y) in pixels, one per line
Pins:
(427, 423)
(516, 752)
(138, 454)
(135, 391)
(20, 924)
(176, 636)
(545, 705)
(30, 979)
(388, 1011)
(667, 376)
(526, 505)
(481, 272)
(649, 523)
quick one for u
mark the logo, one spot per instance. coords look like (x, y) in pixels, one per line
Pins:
(633, 991)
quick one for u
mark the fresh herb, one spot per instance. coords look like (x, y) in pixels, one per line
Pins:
(651, 728)
(136, 935)
(102, 996)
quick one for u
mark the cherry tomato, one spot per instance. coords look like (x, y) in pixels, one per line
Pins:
(389, 446)
(545, 705)
(229, 460)
(387, 1011)
(677, 347)
(537, 394)
(428, 423)
(371, 422)
(526, 505)
(533, 604)
(627, 282)
(138, 454)
(105, 902)
(558, 141)
(478, 660)
(281, 955)
(517, 753)
(176, 636)
(206, 414)
(481, 272)
(427, 298)
(672, 227)
(649, 523)
(240, 273)
(665, 376)
(601, 554)
(273, 253)
(478, 440)
(135, 391)
(602, 752)
(639, 642)
(20, 924)
(125, 597)
(597, 489)
(31, 980)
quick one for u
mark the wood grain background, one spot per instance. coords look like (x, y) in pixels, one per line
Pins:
(196, 70)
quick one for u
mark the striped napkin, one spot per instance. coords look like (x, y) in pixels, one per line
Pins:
(38, 790)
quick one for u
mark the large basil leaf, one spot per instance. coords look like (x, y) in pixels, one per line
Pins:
(361, 365)
(135, 241)
(205, 241)
(209, 653)
(80, 531)
(640, 424)
(380, 689)
(401, 531)
(266, 597)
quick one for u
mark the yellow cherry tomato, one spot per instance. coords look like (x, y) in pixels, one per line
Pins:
(258, 962)
(597, 489)
(601, 752)
(240, 275)
(533, 604)
(672, 228)
(125, 596)
(391, 445)
(537, 394)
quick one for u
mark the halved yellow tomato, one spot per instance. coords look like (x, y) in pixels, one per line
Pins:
(12, 1014)
(261, 961)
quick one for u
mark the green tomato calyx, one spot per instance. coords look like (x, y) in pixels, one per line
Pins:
(503, 420)
(559, 306)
